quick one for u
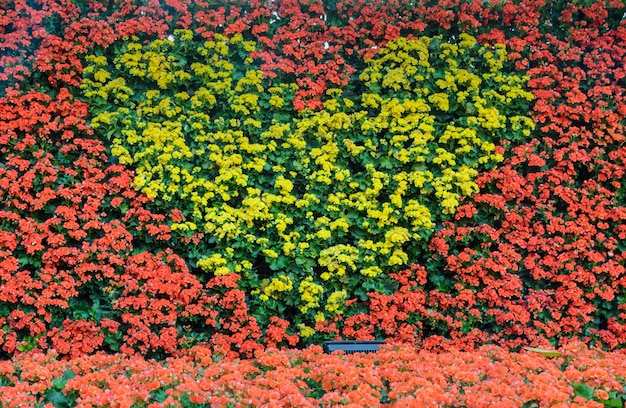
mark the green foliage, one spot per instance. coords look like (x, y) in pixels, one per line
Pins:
(55, 394)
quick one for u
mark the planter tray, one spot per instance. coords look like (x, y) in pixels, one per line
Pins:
(352, 346)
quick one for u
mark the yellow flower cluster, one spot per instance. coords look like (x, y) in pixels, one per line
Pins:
(335, 302)
(337, 259)
(275, 287)
(310, 293)
(320, 200)
(306, 331)
(223, 263)
(215, 263)
(440, 104)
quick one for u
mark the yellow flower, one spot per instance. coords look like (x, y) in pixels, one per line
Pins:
(337, 259)
(215, 263)
(397, 235)
(336, 301)
(398, 257)
(310, 293)
(371, 272)
(323, 234)
(270, 253)
(285, 186)
(276, 286)
(467, 41)
(440, 100)
(341, 224)
(102, 76)
(276, 101)
(306, 331)
(185, 35)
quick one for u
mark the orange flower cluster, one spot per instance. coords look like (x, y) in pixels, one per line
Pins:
(395, 376)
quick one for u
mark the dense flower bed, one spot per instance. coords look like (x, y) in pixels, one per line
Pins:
(257, 174)
(396, 376)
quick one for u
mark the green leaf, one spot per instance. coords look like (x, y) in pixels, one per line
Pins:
(469, 160)
(279, 263)
(282, 117)
(24, 348)
(57, 398)
(386, 163)
(306, 264)
(583, 390)
(375, 88)
(616, 402)
(68, 374)
(159, 395)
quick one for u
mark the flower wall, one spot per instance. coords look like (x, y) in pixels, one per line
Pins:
(262, 174)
